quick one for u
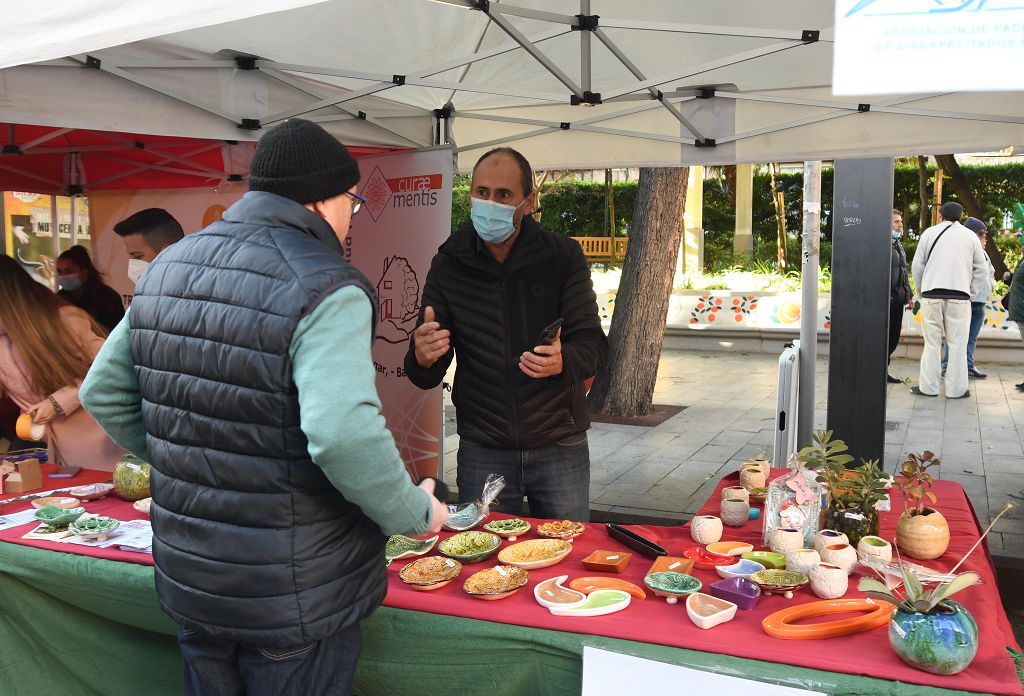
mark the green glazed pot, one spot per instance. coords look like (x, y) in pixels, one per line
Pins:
(942, 642)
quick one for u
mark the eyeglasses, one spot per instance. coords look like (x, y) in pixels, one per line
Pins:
(359, 202)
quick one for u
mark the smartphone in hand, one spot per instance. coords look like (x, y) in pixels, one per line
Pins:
(548, 333)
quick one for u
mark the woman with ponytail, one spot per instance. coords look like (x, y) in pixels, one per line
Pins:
(46, 347)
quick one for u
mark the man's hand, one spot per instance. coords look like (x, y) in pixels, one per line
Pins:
(910, 304)
(43, 412)
(431, 340)
(544, 361)
(438, 510)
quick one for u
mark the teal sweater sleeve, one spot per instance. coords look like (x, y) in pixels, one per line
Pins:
(340, 414)
(110, 392)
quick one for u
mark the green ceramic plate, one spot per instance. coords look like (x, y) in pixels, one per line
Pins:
(469, 547)
(55, 517)
(399, 546)
(769, 559)
(87, 527)
(778, 580)
(512, 526)
(673, 583)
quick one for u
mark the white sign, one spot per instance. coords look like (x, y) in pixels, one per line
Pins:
(406, 217)
(915, 46)
(607, 673)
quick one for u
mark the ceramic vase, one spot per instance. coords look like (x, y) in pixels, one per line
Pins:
(762, 464)
(803, 560)
(735, 511)
(855, 524)
(785, 539)
(942, 642)
(705, 529)
(874, 549)
(736, 492)
(924, 536)
(827, 537)
(829, 581)
(842, 555)
(752, 477)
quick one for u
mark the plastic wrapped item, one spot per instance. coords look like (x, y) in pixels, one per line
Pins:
(794, 501)
(469, 515)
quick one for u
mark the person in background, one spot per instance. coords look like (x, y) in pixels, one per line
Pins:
(949, 268)
(145, 234)
(46, 348)
(1016, 304)
(900, 295)
(977, 302)
(82, 285)
(498, 281)
(243, 375)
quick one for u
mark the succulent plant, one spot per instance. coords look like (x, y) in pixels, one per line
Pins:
(915, 481)
(915, 598)
(824, 453)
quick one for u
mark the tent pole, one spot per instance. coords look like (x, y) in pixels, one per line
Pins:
(809, 302)
(54, 243)
(585, 51)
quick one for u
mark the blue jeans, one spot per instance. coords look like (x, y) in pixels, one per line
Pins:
(555, 477)
(217, 667)
(977, 319)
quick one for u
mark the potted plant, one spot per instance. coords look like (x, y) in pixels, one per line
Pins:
(929, 630)
(922, 531)
(853, 498)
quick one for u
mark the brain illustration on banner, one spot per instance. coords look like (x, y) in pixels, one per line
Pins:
(398, 297)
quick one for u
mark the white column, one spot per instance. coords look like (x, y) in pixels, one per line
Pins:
(743, 242)
(691, 250)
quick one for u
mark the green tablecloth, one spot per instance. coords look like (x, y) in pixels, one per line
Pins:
(80, 625)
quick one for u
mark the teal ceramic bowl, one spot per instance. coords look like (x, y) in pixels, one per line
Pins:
(771, 560)
(55, 517)
(671, 583)
(469, 547)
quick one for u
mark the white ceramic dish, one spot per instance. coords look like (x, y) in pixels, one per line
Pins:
(143, 505)
(618, 599)
(544, 590)
(92, 491)
(507, 554)
(706, 611)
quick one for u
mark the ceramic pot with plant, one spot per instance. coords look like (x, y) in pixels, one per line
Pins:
(842, 555)
(785, 539)
(922, 532)
(803, 560)
(828, 537)
(735, 492)
(705, 529)
(853, 496)
(874, 549)
(929, 630)
(761, 463)
(829, 581)
(735, 511)
(753, 477)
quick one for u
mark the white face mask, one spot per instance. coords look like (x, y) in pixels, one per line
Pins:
(136, 267)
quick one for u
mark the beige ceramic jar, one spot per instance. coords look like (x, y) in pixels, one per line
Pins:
(785, 539)
(705, 529)
(735, 492)
(753, 477)
(735, 511)
(842, 555)
(874, 549)
(803, 560)
(827, 537)
(829, 581)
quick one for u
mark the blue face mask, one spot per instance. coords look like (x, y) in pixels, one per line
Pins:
(492, 221)
(896, 234)
(69, 282)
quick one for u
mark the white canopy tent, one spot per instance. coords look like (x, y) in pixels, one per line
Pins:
(570, 83)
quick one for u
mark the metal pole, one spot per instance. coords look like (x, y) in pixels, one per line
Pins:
(55, 242)
(809, 301)
(585, 71)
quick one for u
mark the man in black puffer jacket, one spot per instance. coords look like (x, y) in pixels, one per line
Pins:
(493, 287)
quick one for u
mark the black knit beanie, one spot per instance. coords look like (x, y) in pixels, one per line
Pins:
(300, 160)
(951, 210)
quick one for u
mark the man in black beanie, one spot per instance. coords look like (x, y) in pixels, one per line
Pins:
(244, 377)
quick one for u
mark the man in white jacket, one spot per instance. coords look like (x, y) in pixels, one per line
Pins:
(949, 269)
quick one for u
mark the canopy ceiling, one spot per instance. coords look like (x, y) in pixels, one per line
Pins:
(658, 82)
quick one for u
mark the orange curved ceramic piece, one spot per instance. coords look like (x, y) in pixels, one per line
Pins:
(780, 624)
(586, 585)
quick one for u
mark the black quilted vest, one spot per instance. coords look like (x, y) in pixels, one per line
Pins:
(251, 541)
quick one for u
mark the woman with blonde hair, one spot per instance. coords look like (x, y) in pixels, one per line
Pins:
(46, 347)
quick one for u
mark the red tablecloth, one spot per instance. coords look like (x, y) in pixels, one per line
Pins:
(654, 621)
(111, 505)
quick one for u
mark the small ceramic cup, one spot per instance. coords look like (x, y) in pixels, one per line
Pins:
(829, 581)
(752, 477)
(785, 539)
(735, 492)
(705, 529)
(874, 549)
(842, 555)
(827, 537)
(802, 560)
(735, 511)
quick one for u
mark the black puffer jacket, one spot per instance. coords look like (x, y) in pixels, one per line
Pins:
(495, 312)
(899, 283)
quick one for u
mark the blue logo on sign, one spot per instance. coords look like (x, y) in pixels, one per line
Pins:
(930, 7)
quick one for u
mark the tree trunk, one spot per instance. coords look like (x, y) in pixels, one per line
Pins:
(779, 198)
(922, 192)
(729, 171)
(975, 207)
(625, 385)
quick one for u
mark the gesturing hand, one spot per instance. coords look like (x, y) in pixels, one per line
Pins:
(430, 339)
(544, 361)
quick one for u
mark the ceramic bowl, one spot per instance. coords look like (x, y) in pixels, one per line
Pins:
(705, 529)
(730, 548)
(55, 517)
(430, 573)
(676, 563)
(829, 581)
(874, 549)
(143, 505)
(508, 529)
(735, 512)
(706, 611)
(742, 592)
(599, 603)
(470, 547)
(607, 561)
(553, 593)
(93, 527)
(802, 560)
(399, 546)
(769, 559)
(589, 585)
(498, 582)
(785, 539)
(827, 537)
(561, 529)
(672, 586)
(535, 553)
(842, 555)
(743, 569)
(783, 582)
(757, 495)
(707, 561)
(736, 492)
(92, 491)
(55, 501)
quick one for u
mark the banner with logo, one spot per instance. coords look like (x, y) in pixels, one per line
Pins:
(406, 217)
(913, 46)
(28, 229)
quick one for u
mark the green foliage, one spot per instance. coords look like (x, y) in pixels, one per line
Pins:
(914, 597)
(915, 480)
(824, 454)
